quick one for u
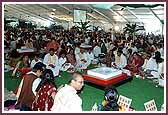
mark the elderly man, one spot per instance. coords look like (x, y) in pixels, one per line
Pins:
(66, 99)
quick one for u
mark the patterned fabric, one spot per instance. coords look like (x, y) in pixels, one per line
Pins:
(44, 97)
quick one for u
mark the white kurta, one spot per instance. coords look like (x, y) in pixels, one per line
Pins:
(159, 70)
(121, 61)
(66, 100)
(82, 56)
(90, 57)
(151, 64)
(48, 59)
(96, 51)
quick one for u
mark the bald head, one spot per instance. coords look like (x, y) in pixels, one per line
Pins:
(77, 81)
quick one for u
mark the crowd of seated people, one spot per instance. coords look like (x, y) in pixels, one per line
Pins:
(55, 50)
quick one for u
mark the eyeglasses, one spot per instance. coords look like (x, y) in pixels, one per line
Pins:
(81, 82)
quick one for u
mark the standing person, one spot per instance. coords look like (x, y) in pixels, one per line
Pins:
(46, 91)
(90, 56)
(26, 91)
(66, 99)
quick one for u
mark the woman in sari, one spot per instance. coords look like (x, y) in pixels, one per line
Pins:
(134, 63)
(71, 57)
(22, 67)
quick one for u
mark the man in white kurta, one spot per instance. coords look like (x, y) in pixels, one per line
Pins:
(66, 99)
(90, 56)
(120, 59)
(51, 62)
(82, 59)
(96, 50)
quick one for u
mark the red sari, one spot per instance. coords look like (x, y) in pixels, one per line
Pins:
(43, 97)
(134, 64)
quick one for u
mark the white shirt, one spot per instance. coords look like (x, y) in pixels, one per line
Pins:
(66, 100)
(33, 62)
(96, 51)
(61, 61)
(90, 56)
(121, 61)
(82, 56)
(151, 64)
(35, 85)
(77, 50)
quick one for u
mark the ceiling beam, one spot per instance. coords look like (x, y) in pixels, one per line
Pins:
(132, 12)
(107, 18)
(28, 13)
(71, 11)
(119, 15)
(155, 15)
(39, 5)
(60, 5)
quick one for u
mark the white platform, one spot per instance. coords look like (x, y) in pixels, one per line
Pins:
(25, 50)
(104, 72)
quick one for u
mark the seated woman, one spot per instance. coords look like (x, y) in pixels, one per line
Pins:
(22, 67)
(135, 63)
(71, 59)
(14, 57)
(46, 91)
